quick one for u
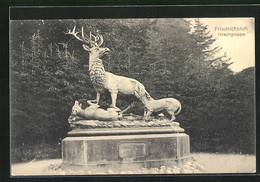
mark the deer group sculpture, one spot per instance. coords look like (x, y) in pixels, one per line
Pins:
(101, 79)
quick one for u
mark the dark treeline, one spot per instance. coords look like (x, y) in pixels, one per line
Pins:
(49, 71)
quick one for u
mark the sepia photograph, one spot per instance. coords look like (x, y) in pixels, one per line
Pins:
(132, 96)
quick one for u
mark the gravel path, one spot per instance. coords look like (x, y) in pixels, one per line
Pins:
(200, 163)
(227, 163)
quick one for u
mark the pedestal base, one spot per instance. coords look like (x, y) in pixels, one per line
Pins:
(129, 151)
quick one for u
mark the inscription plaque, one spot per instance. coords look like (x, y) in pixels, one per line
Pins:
(131, 150)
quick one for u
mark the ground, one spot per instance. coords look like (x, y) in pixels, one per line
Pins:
(227, 163)
(201, 163)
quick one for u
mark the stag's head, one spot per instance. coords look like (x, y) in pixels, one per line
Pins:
(91, 44)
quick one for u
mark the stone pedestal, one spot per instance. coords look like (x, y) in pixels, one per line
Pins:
(101, 150)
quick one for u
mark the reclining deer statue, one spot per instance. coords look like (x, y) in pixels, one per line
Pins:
(93, 112)
(101, 79)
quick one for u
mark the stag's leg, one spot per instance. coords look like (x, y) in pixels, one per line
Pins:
(114, 97)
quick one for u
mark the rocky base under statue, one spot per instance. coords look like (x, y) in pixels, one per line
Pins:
(127, 121)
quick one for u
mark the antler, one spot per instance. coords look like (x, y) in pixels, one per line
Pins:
(74, 33)
(83, 36)
(86, 40)
(97, 38)
(101, 40)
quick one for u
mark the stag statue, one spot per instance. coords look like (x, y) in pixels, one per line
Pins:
(101, 79)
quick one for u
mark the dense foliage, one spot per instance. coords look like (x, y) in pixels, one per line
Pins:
(49, 71)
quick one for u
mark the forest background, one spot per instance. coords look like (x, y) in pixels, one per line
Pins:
(170, 57)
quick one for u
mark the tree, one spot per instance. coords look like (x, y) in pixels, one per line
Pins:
(169, 51)
(205, 48)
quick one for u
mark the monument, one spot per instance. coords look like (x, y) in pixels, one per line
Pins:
(101, 140)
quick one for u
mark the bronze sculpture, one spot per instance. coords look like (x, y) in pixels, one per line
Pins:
(103, 80)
